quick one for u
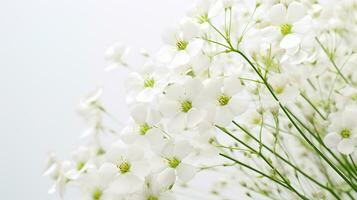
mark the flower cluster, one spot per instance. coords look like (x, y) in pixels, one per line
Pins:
(263, 88)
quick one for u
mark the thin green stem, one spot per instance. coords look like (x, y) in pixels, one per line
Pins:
(288, 162)
(331, 59)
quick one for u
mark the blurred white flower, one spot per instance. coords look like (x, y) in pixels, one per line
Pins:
(343, 131)
(117, 55)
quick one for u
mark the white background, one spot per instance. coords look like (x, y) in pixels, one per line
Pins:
(51, 53)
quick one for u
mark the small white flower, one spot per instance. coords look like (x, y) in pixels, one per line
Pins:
(224, 99)
(289, 24)
(175, 154)
(117, 55)
(182, 44)
(95, 182)
(343, 131)
(143, 86)
(81, 158)
(181, 105)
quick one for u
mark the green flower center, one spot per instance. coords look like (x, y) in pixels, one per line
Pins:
(97, 194)
(149, 83)
(144, 128)
(345, 133)
(279, 90)
(354, 97)
(80, 165)
(152, 198)
(286, 29)
(223, 100)
(100, 151)
(190, 73)
(124, 167)
(181, 45)
(203, 18)
(186, 106)
(173, 162)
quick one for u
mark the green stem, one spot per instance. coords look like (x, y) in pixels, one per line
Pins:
(313, 106)
(331, 59)
(266, 161)
(288, 162)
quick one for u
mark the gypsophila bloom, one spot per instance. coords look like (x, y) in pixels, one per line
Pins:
(246, 99)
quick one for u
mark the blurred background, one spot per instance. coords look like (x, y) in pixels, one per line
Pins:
(51, 54)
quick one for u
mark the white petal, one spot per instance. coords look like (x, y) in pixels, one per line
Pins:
(156, 140)
(213, 88)
(181, 58)
(169, 108)
(232, 85)
(153, 116)
(189, 29)
(277, 14)
(166, 54)
(182, 149)
(332, 139)
(302, 26)
(166, 178)
(346, 146)
(146, 95)
(166, 196)
(140, 168)
(185, 172)
(238, 104)
(193, 87)
(125, 184)
(290, 41)
(194, 47)
(223, 116)
(296, 11)
(138, 113)
(178, 123)
(135, 152)
(175, 91)
(194, 116)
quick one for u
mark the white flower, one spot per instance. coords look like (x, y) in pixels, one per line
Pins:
(158, 188)
(91, 101)
(131, 167)
(57, 171)
(224, 99)
(81, 158)
(181, 105)
(343, 131)
(94, 183)
(204, 10)
(289, 23)
(117, 55)
(285, 91)
(175, 154)
(143, 86)
(182, 44)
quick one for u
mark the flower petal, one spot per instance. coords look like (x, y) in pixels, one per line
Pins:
(290, 41)
(166, 178)
(180, 58)
(296, 11)
(223, 116)
(178, 123)
(185, 172)
(125, 184)
(232, 85)
(238, 104)
(346, 146)
(332, 139)
(277, 14)
(182, 149)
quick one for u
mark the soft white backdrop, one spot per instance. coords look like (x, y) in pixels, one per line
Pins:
(51, 53)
